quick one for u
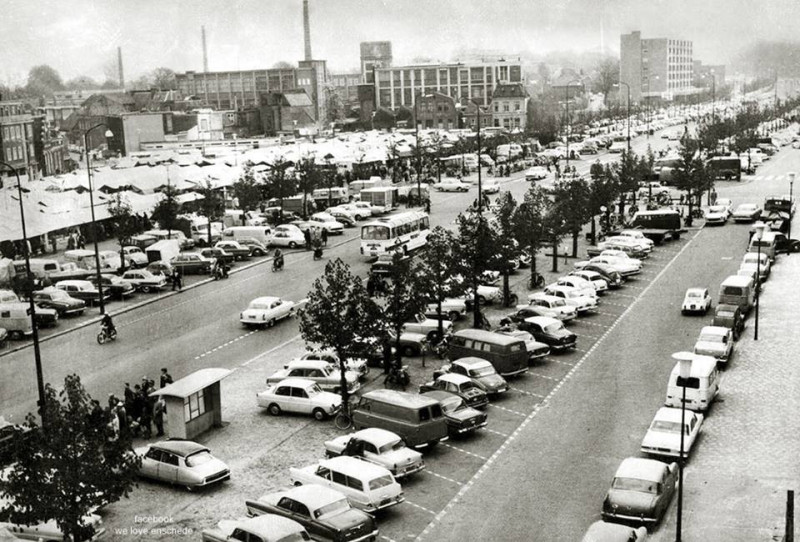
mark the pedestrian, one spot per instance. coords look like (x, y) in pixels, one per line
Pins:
(81, 241)
(324, 236)
(137, 403)
(129, 395)
(307, 235)
(159, 409)
(713, 196)
(145, 420)
(166, 378)
(54, 243)
(71, 241)
(176, 280)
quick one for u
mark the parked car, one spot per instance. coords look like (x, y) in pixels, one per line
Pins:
(572, 296)
(58, 300)
(385, 262)
(490, 186)
(747, 212)
(368, 487)
(715, 341)
(192, 262)
(597, 281)
(451, 185)
(181, 462)
(460, 385)
(534, 348)
(624, 266)
(361, 209)
(452, 309)
(613, 277)
(583, 286)
(480, 371)
(725, 202)
(116, 286)
(601, 531)
(300, 396)
(343, 217)
(663, 438)
(323, 221)
(427, 326)
(461, 418)
(380, 447)
(640, 491)
(536, 173)
(256, 247)
(239, 251)
(145, 281)
(551, 306)
(134, 256)
(636, 235)
(319, 371)
(731, 317)
(550, 332)
(266, 528)
(83, 290)
(218, 254)
(324, 512)
(716, 214)
(763, 264)
(266, 311)
(160, 267)
(357, 365)
(696, 300)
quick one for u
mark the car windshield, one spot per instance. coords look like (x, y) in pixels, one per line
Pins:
(335, 507)
(391, 446)
(635, 484)
(726, 314)
(558, 303)
(711, 338)
(482, 371)
(452, 404)
(200, 458)
(380, 482)
(375, 233)
(555, 327)
(665, 426)
(716, 209)
(694, 294)
(59, 294)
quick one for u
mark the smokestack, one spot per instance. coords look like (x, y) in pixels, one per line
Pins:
(307, 30)
(205, 50)
(119, 65)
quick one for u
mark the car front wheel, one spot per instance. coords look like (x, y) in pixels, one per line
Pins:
(292, 244)
(274, 409)
(145, 289)
(319, 414)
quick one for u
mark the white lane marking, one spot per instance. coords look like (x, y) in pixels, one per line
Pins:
(585, 323)
(429, 471)
(726, 258)
(468, 485)
(387, 538)
(504, 409)
(523, 392)
(463, 451)
(431, 512)
(544, 376)
(504, 435)
(270, 351)
(239, 338)
(562, 362)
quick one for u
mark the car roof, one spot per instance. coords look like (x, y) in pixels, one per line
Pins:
(272, 526)
(671, 414)
(410, 400)
(701, 366)
(265, 299)
(296, 382)
(376, 436)
(441, 395)
(309, 363)
(182, 448)
(641, 469)
(716, 330)
(696, 290)
(74, 282)
(546, 297)
(601, 531)
(355, 467)
(481, 335)
(727, 307)
(471, 362)
(314, 496)
(454, 378)
(541, 320)
(559, 288)
(737, 280)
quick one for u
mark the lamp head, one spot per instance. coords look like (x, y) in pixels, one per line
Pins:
(109, 133)
(603, 208)
(791, 176)
(685, 359)
(759, 230)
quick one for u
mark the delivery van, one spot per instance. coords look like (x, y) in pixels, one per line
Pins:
(737, 290)
(162, 251)
(702, 385)
(418, 420)
(259, 233)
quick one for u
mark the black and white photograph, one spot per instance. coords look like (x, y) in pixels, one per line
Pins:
(399, 270)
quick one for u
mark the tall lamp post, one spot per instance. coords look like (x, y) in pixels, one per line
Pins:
(759, 233)
(37, 356)
(684, 372)
(629, 112)
(566, 93)
(791, 203)
(91, 203)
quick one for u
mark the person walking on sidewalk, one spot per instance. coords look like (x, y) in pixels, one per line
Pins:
(176, 280)
(159, 409)
(324, 236)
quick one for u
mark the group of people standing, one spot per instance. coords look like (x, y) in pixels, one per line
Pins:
(315, 237)
(139, 411)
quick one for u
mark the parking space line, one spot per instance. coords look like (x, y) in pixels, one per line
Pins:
(387, 538)
(545, 377)
(428, 471)
(603, 313)
(594, 337)
(415, 505)
(627, 296)
(456, 448)
(527, 392)
(579, 350)
(561, 363)
(611, 303)
(584, 322)
(504, 435)
(514, 412)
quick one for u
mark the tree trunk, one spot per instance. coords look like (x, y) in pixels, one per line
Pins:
(342, 380)
(305, 205)
(555, 254)
(506, 292)
(209, 230)
(594, 232)
(121, 258)
(476, 308)
(575, 243)
(533, 266)
(622, 204)
(439, 314)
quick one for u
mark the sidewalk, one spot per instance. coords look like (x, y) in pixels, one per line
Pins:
(736, 480)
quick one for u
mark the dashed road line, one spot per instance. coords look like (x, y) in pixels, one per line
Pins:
(504, 435)
(627, 296)
(504, 409)
(527, 392)
(468, 485)
(415, 505)
(545, 376)
(584, 322)
(271, 350)
(224, 345)
(611, 303)
(562, 363)
(428, 471)
(463, 451)
(387, 538)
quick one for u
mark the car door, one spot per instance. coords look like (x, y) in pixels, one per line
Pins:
(300, 401)
(168, 468)
(296, 511)
(150, 463)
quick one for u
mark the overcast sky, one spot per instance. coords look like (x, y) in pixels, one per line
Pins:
(80, 37)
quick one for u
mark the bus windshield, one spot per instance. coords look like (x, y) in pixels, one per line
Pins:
(375, 233)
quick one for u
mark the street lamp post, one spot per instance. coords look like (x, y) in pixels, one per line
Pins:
(791, 203)
(568, 123)
(37, 356)
(94, 223)
(684, 372)
(759, 233)
(629, 112)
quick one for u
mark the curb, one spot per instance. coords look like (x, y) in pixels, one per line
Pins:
(150, 301)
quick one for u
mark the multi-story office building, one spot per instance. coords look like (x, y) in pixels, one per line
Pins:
(374, 54)
(510, 106)
(396, 87)
(17, 138)
(655, 68)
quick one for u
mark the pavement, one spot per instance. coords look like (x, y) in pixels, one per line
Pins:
(736, 480)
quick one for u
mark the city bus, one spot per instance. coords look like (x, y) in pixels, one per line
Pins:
(405, 231)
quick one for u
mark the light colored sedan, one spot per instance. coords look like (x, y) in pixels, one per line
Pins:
(715, 341)
(490, 186)
(361, 210)
(326, 222)
(596, 279)
(266, 311)
(663, 438)
(623, 266)
(716, 214)
(287, 235)
(181, 462)
(584, 286)
(696, 300)
(451, 185)
(380, 447)
(601, 531)
(747, 212)
(301, 396)
(572, 296)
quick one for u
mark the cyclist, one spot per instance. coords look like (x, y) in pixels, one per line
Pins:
(277, 261)
(107, 324)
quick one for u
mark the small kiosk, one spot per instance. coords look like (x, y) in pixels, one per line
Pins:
(194, 403)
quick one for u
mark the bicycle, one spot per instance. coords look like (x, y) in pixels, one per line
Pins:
(397, 378)
(106, 335)
(344, 418)
(536, 281)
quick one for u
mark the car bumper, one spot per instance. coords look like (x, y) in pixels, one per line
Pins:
(625, 517)
(72, 310)
(563, 346)
(408, 470)
(368, 536)
(220, 477)
(666, 452)
(457, 430)
(386, 503)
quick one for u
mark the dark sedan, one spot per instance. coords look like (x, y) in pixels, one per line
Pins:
(58, 300)
(113, 284)
(640, 491)
(731, 317)
(550, 332)
(221, 255)
(611, 275)
(460, 385)
(525, 312)
(460, 418)
(192, 262)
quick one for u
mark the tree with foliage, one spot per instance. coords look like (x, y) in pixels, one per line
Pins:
(401, 299)
(246, 190)
(164, 79)
(309, 177)
(530, 228)
(75, 463)
(607, 76)
(626, 173)
(211, 206)
(604, 191)
(690, 174)
(167, 209)
(475, 254)
(436, 268)
(573, 201)
(280, 184)
(81, 82)
(339, 312)
(504, 209)
(43, 80)
(124, 224)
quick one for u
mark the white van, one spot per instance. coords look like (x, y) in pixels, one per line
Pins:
(766, 245)
(162, 251)
(16, 319)
(737, 290)
(702, 385)
(85, 259)
(259, 233)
